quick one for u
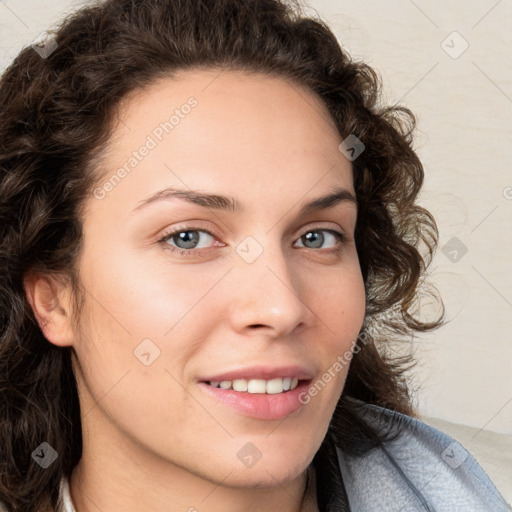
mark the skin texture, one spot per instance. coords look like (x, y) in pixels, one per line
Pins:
(153, 440)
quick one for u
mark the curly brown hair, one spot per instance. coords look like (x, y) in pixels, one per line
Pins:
(56, 116)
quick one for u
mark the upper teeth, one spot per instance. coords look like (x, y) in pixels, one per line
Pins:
(271, 386)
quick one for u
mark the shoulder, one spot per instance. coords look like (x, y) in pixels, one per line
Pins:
(419, 469)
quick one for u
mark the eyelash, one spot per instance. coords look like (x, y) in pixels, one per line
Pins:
(191, 252)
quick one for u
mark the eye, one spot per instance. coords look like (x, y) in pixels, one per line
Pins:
(314, 237)
(184, 240)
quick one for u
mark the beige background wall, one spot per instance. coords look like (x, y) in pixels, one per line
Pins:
(450, 62)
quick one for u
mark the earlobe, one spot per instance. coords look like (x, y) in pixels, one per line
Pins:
(49, 300)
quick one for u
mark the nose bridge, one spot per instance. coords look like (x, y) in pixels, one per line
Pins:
(268, 293)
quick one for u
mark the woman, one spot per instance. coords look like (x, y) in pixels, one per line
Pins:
(209, 238)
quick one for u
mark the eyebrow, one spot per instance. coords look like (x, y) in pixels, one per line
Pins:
(231, 204)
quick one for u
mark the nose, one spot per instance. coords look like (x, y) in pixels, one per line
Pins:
(268, 294)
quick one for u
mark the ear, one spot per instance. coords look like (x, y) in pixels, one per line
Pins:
(50, 301)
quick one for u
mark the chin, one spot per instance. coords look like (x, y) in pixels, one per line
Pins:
(275, 470)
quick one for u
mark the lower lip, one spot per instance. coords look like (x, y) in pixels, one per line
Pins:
(261, 406)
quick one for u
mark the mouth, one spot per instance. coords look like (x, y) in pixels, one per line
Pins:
(272, 399)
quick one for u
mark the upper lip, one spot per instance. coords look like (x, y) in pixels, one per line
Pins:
(262, 372)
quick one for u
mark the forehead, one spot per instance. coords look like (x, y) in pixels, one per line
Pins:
(231, 108)
(221, 92)
(225, 129)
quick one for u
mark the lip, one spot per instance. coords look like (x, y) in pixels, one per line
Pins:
(260, 406)
(263, 372)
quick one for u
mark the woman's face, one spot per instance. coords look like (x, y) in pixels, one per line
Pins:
(265, 287)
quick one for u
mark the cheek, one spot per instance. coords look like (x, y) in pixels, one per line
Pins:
(339, 302)
(341, 307)
(149, 296)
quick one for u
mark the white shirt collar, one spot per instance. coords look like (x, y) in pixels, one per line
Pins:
(65, 496)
